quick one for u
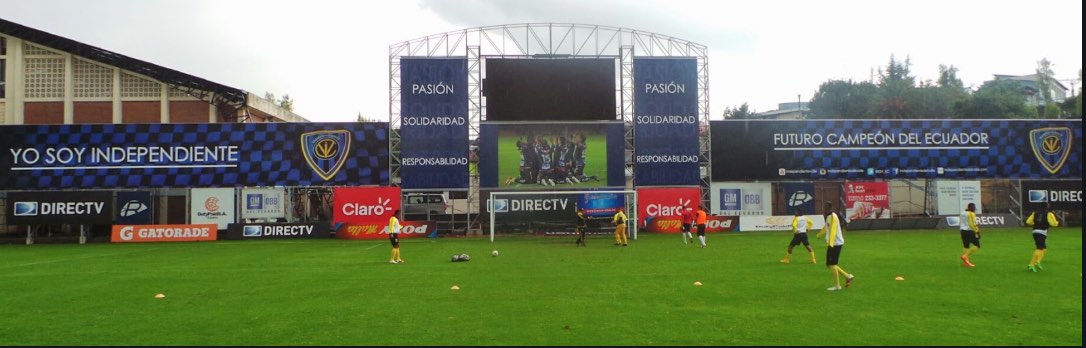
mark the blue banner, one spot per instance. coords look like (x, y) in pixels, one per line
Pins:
(666, 121)
(49, 157)
(134, 208)
(434, 123)
(799, 196)
(601, 204)
(540, 156)
(747, 150)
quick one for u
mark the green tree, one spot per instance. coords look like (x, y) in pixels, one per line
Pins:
(896, 98)
(843, 99)
(286, 103)
(743, 112)
(948, 77)
(1078, 99)
(995, 99)
(1045, 80)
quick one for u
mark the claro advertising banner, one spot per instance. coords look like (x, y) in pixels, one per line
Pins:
(163, 233)
(666, 121)
(434, 122)
(747, 150)
(79, 207)
(193, 155)
(665, 204)
(355, 205)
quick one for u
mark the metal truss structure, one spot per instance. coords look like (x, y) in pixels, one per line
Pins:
(549, 40)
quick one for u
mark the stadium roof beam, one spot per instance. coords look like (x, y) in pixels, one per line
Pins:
(231, 102)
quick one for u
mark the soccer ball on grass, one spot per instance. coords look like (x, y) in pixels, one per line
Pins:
(494, 253)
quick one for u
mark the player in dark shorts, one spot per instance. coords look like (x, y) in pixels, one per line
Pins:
(582, 224)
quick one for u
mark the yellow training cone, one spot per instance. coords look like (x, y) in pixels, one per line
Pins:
(899, 278)
(697, 283)
(454, 287)
(160, 295)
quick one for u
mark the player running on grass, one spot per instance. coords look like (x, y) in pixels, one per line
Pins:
(835, 240)
(800, 225)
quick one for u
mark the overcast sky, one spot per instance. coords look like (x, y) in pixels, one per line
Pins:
(331, 56)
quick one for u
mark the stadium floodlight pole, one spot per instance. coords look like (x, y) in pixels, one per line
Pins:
(631, 216)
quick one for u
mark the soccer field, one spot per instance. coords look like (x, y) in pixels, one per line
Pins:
(545, 291)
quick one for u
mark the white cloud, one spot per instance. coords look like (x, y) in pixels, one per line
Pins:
(331, 56)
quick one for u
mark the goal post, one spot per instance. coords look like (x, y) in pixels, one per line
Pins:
(512, 202)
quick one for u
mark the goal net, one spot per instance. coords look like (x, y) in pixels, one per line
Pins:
(555, 212)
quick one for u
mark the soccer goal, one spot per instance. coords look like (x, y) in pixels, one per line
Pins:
(558, 209)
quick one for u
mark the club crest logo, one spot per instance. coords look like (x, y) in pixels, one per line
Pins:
(1051, 146)
(326, 151)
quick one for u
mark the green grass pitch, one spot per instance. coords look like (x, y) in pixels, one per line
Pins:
(544, 291)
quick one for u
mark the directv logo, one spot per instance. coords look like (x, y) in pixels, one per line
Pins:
(953, 220)
(1038, 196)
(133, 207)
(250, 231)
(26, 208)
(500, 205)
(798, 198)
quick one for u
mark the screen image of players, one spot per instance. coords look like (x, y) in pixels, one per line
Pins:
(556, 156)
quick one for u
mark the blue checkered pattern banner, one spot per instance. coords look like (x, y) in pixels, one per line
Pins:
(744, 150)
(35, 157)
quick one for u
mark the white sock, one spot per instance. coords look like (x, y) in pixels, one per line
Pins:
(702, 238)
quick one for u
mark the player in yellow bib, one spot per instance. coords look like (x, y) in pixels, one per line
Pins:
(394, 237)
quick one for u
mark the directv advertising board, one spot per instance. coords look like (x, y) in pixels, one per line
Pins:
(50, 157)
(278, 231)
(1060, 195)
(885, 149)
(666, 121)
(53, 207)
(531, 213)
(434, 122)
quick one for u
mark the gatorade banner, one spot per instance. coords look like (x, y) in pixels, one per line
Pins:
(163, 233)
